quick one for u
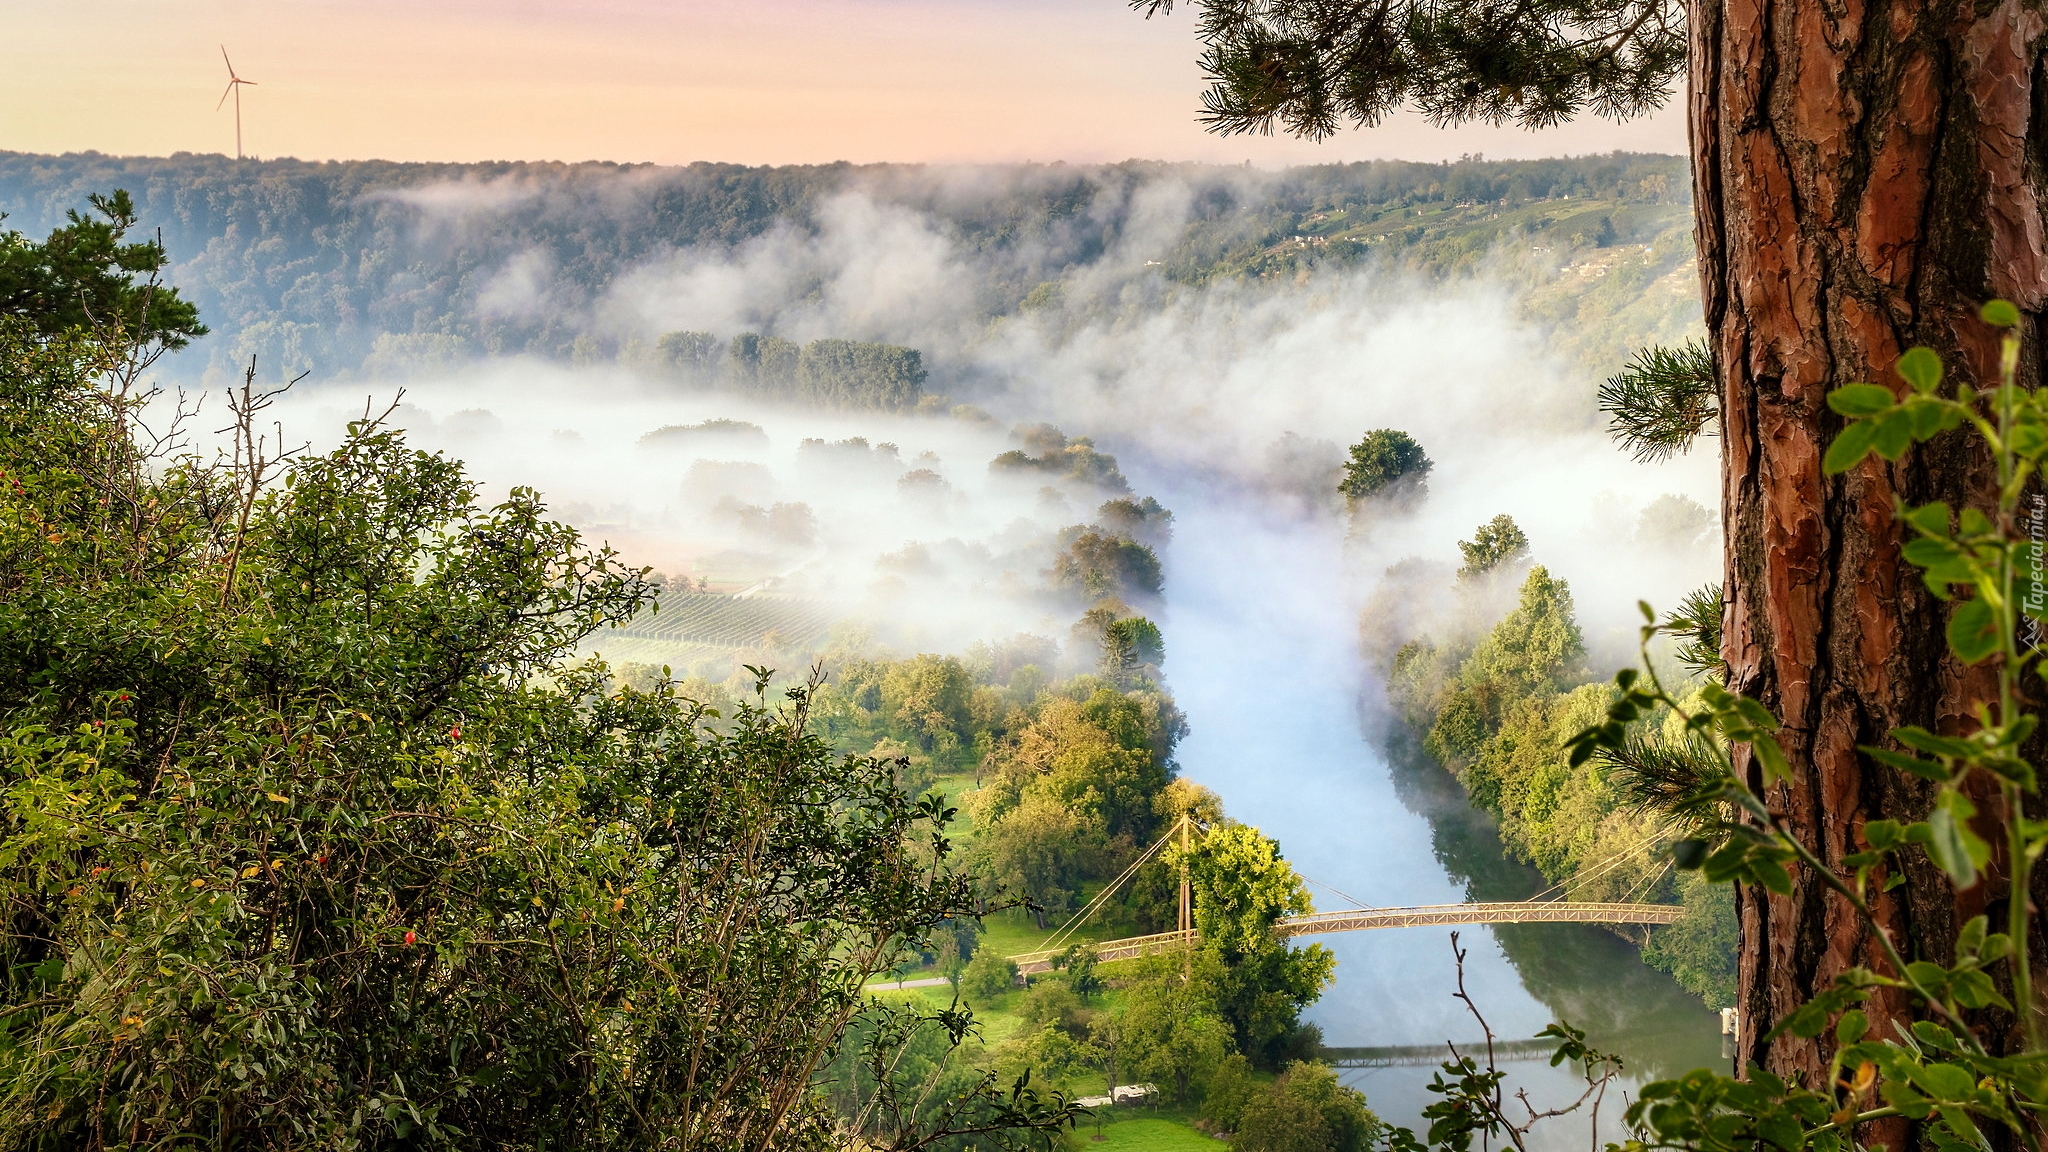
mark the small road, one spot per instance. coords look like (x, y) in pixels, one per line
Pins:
(896, 985)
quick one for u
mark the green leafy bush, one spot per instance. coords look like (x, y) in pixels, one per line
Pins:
(988, 976)
(1306, 1108)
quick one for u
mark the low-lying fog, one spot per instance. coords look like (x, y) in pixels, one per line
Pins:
(1253, 394)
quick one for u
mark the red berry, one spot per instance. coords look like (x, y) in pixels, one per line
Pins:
(410, 937)
(455, 733)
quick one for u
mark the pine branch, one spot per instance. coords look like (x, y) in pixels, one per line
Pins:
(1309, 67)
(1696, 624)
(1678, 779)
(1662, 401)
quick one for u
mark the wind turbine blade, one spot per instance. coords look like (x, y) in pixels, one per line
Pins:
(250, 83)
(224, 96)
(224, 59)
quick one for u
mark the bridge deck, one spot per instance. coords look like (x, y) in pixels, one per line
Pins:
(1364, 919)
(1515, 912)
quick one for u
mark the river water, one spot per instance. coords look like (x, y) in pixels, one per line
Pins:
(1286, 727)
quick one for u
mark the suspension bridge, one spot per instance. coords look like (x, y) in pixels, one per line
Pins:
(1363, 919)
(1545, 908)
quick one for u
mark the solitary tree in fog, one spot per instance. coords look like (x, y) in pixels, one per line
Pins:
(1386, 461)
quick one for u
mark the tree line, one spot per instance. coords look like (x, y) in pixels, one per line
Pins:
(828, 373)
(370, 266)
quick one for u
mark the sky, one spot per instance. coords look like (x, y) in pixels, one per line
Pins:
(742, 81)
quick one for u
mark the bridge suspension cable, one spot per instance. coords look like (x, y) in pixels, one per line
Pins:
(1602, 868)
(1355, 901)
(1102, 898)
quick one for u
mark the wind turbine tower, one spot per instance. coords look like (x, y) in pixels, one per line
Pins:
(234, 89)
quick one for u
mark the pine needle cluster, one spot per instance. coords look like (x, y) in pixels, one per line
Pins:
(1696, 625)
(1663, 400)
(1310, 66)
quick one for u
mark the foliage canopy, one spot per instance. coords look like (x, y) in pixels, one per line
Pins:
(310, 838)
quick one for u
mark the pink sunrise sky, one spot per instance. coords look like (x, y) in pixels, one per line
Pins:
(747, 81)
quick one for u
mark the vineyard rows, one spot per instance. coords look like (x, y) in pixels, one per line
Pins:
(729, 622)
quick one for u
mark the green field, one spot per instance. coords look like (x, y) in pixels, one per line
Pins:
(1146, 1134)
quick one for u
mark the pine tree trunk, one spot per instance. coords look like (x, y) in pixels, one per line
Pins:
(1866, 175)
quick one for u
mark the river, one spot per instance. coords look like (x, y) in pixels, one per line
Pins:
(1286, 727)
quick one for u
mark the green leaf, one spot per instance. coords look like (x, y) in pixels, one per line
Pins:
(1945, 1081)
(1780, 1131)
(1997, 946)
(1725, 864)
(1883, 835)
(1945, 562)
(2001, 312)
(1927, 1032)
(1973, 631)
(1975, 990)
(2028, 438)
(1914, 736)
(1931, 519)
(1861, 400)
(1929, 416)
(1925, 769)
(1806, 1021)
(1849, 448)
(1688, 855)
(1958, 851)
(1893, 435)
(1971, 938)
(1772, 875)
(1756, 714)
(1772, 758)
(1933, 977)
(1920, 367)
(1852, 1027)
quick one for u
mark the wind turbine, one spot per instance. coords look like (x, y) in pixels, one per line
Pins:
(234, 89)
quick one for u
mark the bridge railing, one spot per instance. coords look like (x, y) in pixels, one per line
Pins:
(1513, 912)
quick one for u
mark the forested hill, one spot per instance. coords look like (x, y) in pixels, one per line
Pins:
(365, 266)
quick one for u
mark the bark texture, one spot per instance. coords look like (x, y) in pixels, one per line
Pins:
(1867, 172)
